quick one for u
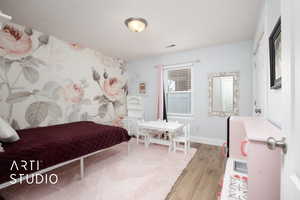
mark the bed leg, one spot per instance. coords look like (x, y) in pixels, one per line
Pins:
(128, 147)
(81, 168)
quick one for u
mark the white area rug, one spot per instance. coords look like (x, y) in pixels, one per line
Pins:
(144, 174)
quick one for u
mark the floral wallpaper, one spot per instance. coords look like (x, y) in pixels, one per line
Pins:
(46, 81)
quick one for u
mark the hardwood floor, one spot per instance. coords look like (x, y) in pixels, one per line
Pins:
(199, 180)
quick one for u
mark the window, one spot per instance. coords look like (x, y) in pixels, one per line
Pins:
(178, 90)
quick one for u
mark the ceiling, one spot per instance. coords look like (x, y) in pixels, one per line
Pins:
(99, 24)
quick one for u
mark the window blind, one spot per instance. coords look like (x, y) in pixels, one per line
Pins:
(179, 80)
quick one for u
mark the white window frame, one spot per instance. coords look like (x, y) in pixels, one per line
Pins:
(166, 69)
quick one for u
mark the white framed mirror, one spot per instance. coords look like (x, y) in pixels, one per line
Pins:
(223, 89)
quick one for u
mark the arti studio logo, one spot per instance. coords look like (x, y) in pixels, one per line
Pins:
(29, 166)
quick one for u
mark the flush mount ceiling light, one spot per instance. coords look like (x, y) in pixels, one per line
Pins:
(136, 24)
(4, 17)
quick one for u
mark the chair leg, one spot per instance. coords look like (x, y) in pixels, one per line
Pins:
(186, 147)
(170, 145)
(146, 141)
(137, 139)
(174, 146)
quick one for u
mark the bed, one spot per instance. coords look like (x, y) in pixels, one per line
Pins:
(58, 145)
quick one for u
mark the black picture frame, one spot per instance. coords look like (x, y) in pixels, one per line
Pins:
(274, 42)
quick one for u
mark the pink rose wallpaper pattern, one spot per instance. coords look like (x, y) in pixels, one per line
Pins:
(73, 93)
(14, 42)
(46, 81)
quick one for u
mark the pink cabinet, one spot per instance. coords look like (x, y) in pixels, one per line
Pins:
(236, 137)
(264, 165)
(263, 172)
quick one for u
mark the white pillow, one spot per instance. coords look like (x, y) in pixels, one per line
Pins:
(7, 133)
(1, 148)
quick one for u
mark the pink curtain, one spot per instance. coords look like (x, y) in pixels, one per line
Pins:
(160, 91)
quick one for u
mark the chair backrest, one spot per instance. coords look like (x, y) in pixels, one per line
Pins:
(187, 130)
(132, 125)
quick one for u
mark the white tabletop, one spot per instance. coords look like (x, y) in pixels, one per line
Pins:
(161, 125)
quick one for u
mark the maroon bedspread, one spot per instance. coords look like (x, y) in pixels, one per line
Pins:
(55, 144)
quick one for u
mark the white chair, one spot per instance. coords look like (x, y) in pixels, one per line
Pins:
(142, 135)
(183, 138)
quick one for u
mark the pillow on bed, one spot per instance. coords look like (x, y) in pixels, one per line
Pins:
(7, 133)
(1, 148)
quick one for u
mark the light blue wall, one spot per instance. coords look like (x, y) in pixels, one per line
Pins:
(225, 58)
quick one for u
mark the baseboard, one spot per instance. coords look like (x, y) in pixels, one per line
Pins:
(210, 141)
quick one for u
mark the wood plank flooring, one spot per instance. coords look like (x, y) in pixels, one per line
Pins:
(199, 180)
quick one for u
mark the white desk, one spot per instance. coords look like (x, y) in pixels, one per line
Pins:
(170, 128)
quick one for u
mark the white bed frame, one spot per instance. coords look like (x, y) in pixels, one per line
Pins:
(81, 159)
